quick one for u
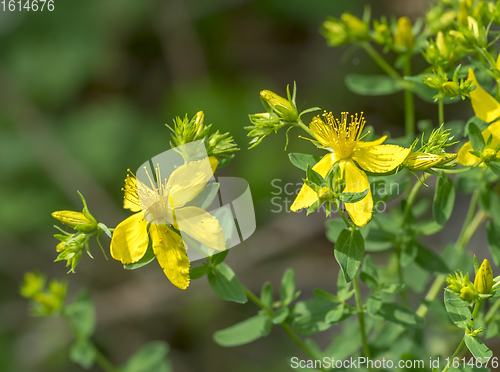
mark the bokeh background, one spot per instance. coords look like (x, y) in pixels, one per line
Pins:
(85, 92)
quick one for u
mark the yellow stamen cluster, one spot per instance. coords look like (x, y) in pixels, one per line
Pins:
(338, 135)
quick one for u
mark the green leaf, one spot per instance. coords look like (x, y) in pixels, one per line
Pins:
(351, 197)
(493, 234)
(218, 258)
(458, 310)
(369, 274)
(495, 168)
(320, 294)
(372, 85)
(198, 272)
(430, 261)
(301, 161)
(81, 315)
(477, 348)
(152, 357)
(349, 251)
(104, 228)
(83, 352)
(475, 137)
(309, 316)
(314, 177)
(373, 304)
(245, 332)
(280, 315)
(335, 315)
(399, 314)
(225, 284)
(266, 295)
(148, 257)
(287, 290)
(444, 199)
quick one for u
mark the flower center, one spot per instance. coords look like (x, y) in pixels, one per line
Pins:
(156, 202)
(339, 136)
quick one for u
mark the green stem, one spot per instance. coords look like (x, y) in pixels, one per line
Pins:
(462, 343)
(409, 103)
(104, 363)
(469, 227)
(440, 111)
(361, 317)
(411, 198)
(100, 359)
(285, 327)
(381, 61)
(305, 127)
(346, 221)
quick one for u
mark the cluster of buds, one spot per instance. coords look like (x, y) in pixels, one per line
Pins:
(446, 88)
(345, 30)
(484, 285)
(280, 112)
(444, 51)
(45, 300)
(431, 154)
(186, 131)
(439, 18)
(71, 245)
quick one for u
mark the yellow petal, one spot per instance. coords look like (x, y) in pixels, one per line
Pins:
(464, 155)
(498, 62)
(377, 142)
(357, 181)
(307, 196)
(484, 105)
(171, 254)
(381, 158)
(202, 226)
(130, 239)
(131, 197)
(189, 179)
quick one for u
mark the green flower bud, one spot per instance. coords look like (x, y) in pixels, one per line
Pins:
(463, 13)
(489, 154)
(335, 32)
(281, 106)
(451, 88)
(467, 294)
(32, 285)
(484, 278)
(355, 26)
(325, 194)
(404, 34)
(434, 82)
(420, 161)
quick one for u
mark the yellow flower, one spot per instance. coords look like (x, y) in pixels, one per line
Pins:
(484, 278)
(487, 109)
(354, 157)
(160, 211)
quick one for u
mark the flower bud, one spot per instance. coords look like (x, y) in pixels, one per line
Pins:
(467, 294)
(71, 218)
(489, 154)
(441, 44)
(463, 13)
(325, 194)
(404, 34)
(451, 88)
(32, 285)
(335, 32)
(355, 26)
(420, 161)
(434, 82)
(484, 278)
(281, 106)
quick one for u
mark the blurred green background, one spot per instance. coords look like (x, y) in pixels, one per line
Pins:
(85, 92)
